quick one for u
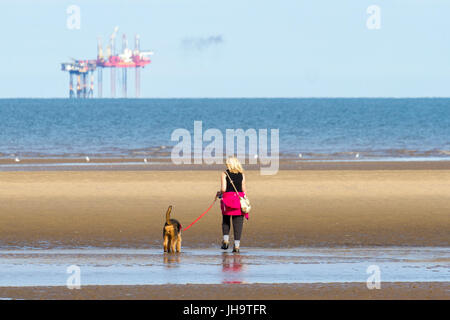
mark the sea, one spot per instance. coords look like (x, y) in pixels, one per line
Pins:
(320, 129)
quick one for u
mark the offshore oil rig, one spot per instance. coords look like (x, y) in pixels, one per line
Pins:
(84, 69)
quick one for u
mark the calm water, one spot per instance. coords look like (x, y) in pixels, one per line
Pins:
(253, 265)
(317, 128)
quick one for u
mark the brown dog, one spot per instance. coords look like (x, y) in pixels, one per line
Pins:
(171, 234)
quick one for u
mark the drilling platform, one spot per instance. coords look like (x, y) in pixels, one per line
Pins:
(84, 69)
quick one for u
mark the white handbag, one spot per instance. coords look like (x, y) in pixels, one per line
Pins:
(245, 202)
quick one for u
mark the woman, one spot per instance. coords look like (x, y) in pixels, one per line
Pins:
(230, 203)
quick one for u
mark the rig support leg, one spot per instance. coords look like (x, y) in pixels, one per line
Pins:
(138, 82)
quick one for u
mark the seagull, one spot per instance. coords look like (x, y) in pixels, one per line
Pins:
(87, 159)
(300, 155)
(145, 160)
(357, 155)
(17, 159)
(255, 156)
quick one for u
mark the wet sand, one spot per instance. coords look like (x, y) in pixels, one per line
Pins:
(306, 205)
(165, 164)
(334, 291)
(129, 267)
(322, 208)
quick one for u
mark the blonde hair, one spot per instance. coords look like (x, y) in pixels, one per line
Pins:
(234, 165)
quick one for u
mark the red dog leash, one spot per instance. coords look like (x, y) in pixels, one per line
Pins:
(200, 215)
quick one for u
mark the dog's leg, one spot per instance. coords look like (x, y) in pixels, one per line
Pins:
(179, 242)
(173, 242)
(166, 243)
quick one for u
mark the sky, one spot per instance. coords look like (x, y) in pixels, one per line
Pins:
(236, 48)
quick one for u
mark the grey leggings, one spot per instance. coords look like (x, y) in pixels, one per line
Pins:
(238, 222)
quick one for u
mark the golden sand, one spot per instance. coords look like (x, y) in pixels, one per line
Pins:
(292, 208)
(328, 291)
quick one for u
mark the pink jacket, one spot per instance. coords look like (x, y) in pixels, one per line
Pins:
(231, 204)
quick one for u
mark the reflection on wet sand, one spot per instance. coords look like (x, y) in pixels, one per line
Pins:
(232, 268)
(171, 260)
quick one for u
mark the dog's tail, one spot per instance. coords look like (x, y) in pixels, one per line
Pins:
(168, 215)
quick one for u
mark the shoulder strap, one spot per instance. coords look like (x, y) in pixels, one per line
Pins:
(232, 183)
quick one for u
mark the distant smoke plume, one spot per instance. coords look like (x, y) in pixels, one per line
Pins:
(201, 43)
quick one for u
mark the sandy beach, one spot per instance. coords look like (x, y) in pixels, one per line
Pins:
(371, 205)
(327, 291)
(290, 209)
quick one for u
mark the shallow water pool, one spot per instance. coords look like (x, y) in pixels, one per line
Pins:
(114, 266)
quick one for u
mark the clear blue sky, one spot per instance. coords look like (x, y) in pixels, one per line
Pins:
(284, 48)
